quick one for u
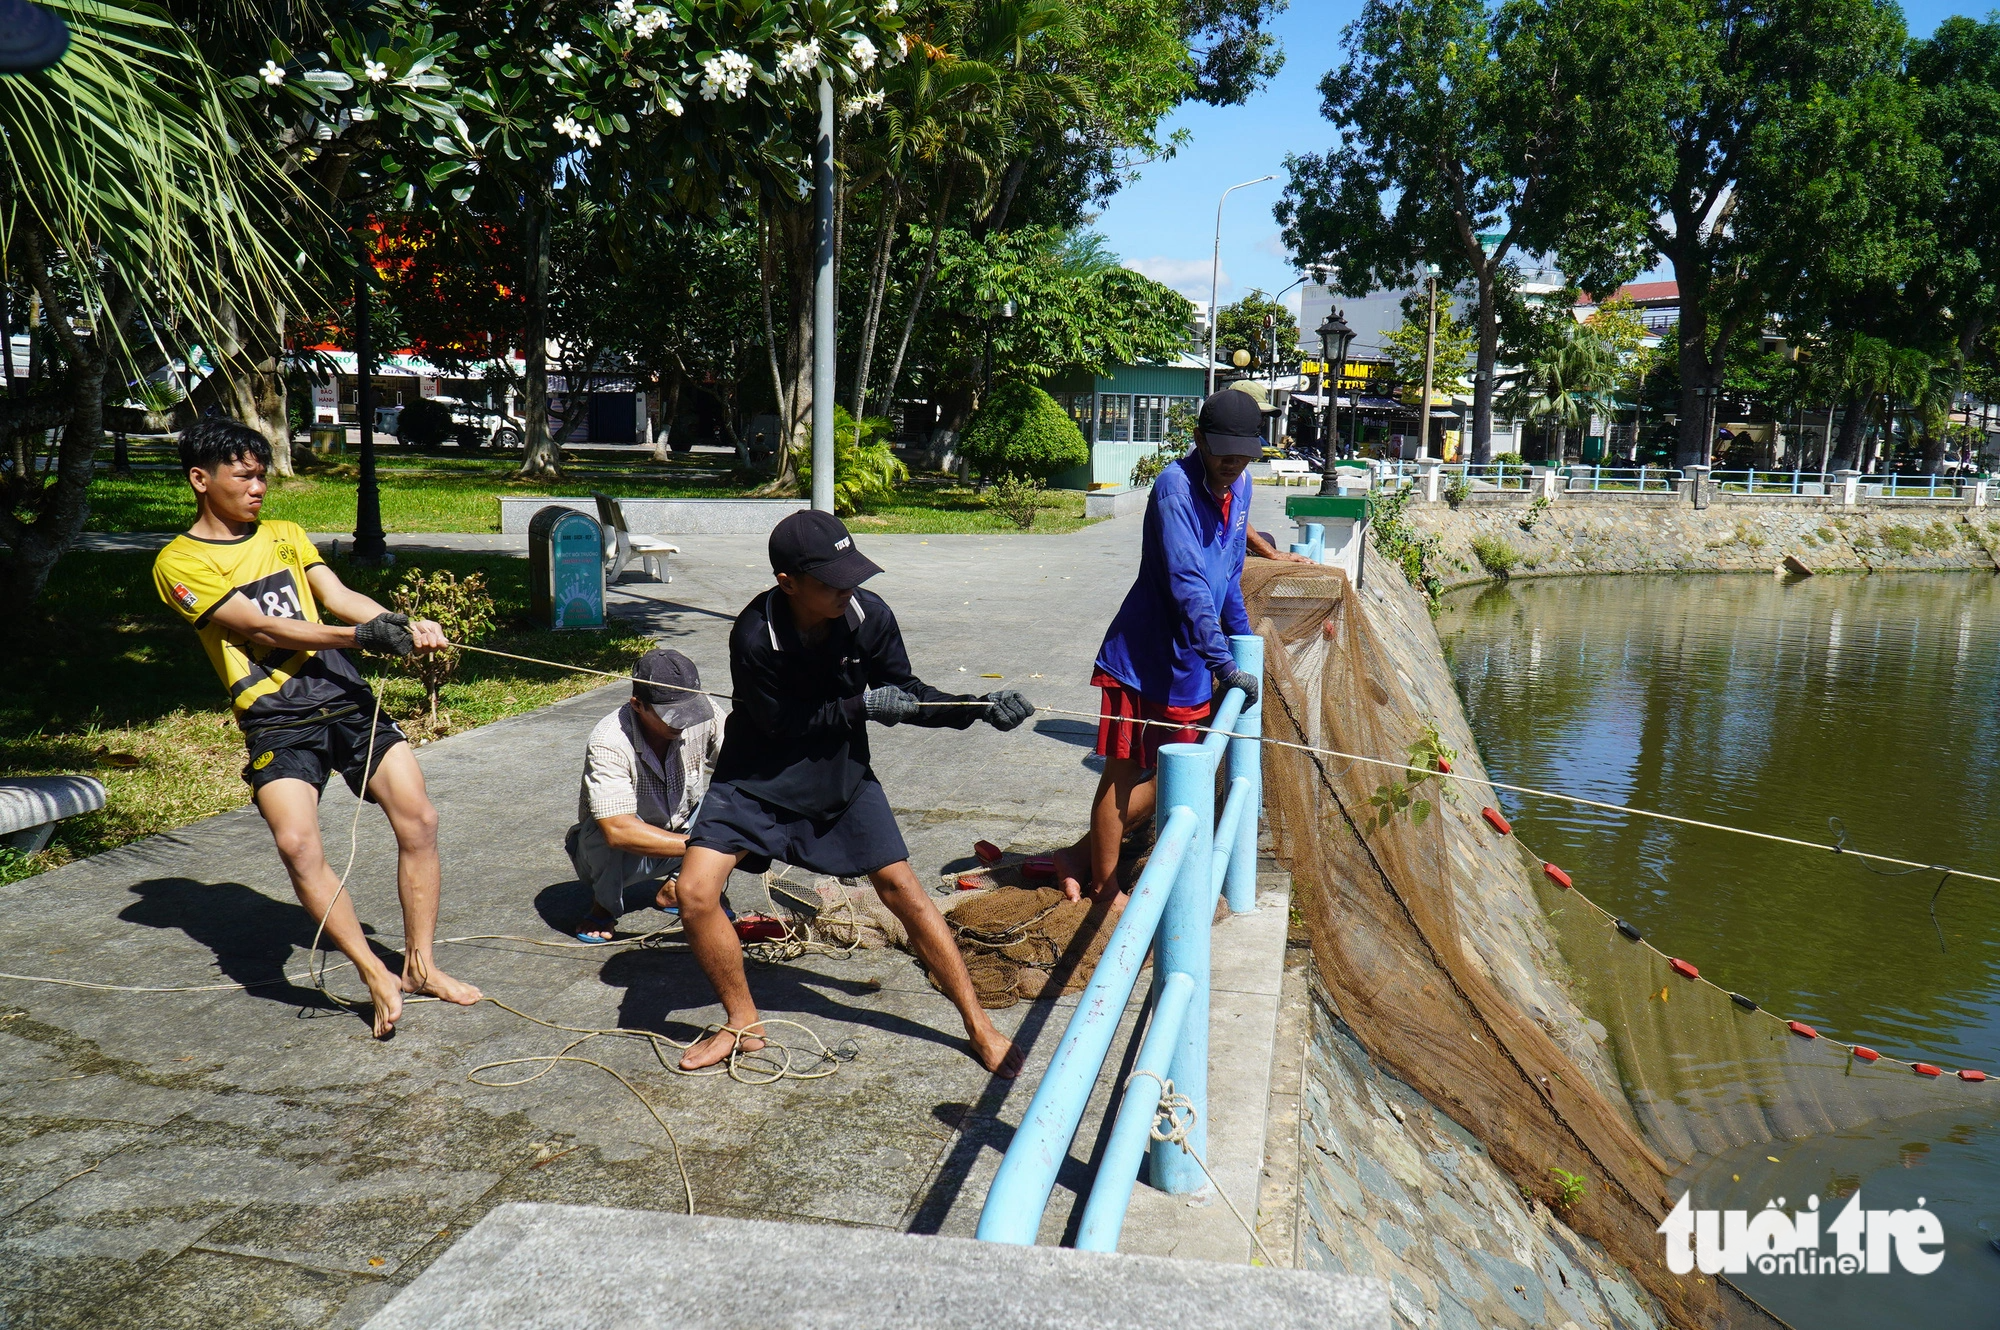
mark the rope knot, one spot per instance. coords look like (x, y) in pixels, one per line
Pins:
(1175, 1117)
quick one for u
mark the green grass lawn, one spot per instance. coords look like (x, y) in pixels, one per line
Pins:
(425, 494)
(106, 681)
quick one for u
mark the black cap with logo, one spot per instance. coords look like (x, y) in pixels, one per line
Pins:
(1231, 424)
(664, 680)
(817, 544)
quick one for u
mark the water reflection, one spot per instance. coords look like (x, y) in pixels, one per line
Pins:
(1777, 705)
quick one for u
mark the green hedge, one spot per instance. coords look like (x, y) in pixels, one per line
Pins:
(1020, 431)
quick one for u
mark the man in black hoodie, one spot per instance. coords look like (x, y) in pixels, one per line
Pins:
(813, 660)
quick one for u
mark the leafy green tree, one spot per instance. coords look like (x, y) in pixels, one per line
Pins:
(1457, 343)
(1762, 161)
(1469, 134)
(136, 203)
(1020, 431)
(1559, 388)
(1261, 326)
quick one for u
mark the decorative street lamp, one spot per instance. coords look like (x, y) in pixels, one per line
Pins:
(1334, 339)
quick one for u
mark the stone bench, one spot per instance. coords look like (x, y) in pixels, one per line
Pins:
(584, 1267)
(30, 807)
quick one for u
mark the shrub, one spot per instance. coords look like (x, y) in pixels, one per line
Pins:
(1396, 539)
(1536, 512)
(460, 606)
(1020, 431)
(1019, 497)
(1496, 556)
(1570, 1188)
(1457, 490)
(1509, 459)
(864, 470)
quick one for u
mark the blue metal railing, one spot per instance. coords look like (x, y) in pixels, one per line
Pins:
(1197, 857)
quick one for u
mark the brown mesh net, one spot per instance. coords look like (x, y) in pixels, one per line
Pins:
(1029, 942)
(1378, 901)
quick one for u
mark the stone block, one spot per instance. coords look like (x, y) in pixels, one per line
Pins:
(1117, 501)
(582, 1266)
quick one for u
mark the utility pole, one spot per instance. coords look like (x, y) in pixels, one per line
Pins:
(1430, 356)
(1215, 274)
(822, 423)
(369, 544)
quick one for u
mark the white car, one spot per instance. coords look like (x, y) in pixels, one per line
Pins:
(469, 424)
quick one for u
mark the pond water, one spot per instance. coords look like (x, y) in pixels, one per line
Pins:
(1776, 705)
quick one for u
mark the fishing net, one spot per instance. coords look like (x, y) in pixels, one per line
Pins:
(1378, 898)
(1029, 942)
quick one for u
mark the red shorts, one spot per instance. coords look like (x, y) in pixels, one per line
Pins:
(1117, 736)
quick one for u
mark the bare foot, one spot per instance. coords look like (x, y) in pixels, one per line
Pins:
(718, 1046)
(388, 996)
(419, 977)
(598, 925)
(996, 1052)
(668, 897)
(1069, 876)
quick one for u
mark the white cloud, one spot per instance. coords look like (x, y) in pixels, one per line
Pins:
(1187, 276)
(1274, 245)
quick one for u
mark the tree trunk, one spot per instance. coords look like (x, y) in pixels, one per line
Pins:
(670, 409)
(795, 242)
(1482, 375)
(36, 546)
(1847, 451)
(917, 296)
(878, 282)
(540, 458)
(764, 283)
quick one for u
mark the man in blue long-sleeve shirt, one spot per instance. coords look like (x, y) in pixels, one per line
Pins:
(1166, 654)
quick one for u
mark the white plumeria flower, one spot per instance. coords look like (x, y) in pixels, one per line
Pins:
(568, 127)
(672, 106)
(863, 51)
(593, 138)
(375, 70)
(886, 8)
(624, 12)
(726, 75)
(272, 73)
(800, 59)
(559, 52)
(652, 21)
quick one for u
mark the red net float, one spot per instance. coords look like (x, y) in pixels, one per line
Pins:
(1497, 822)
(1926, 1069)
(760, 928)
(1444, 765)
(1682, 967)
(1557, 876)
(1041, 866)
(1972, 1075)
(971, 882)
(1865, 1054)
(988, 852)
(1802, 1030)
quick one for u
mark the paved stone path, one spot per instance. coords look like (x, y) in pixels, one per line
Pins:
(254, 1158)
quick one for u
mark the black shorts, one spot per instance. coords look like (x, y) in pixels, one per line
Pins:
(312, 750)
(853, 844)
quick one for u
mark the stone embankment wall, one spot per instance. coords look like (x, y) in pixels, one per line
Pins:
(1629, 533)
(1392, 1187)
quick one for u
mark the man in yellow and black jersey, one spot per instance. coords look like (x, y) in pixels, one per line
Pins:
(253, 591)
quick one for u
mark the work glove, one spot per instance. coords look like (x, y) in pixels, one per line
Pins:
(1007, 709)
(386, 634)
(1243, 679)
(889, 706)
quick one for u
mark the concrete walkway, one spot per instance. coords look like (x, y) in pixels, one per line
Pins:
(256, 1159)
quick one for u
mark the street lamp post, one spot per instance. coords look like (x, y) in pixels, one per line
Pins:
(823, 292)
(1334, 339)
(1215, 271)
(1430, 356)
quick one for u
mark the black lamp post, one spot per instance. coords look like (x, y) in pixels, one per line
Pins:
(1334, 339)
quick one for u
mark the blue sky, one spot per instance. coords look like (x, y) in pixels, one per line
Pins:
(1164, 223)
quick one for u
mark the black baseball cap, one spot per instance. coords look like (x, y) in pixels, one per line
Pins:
(817, 544)
(1232, 424)
(673, 703)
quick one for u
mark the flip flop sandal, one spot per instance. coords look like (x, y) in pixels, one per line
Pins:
(582, 931)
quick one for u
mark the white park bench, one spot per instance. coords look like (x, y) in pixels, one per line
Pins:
(30, 807)
(1284, 470)
(621, 546)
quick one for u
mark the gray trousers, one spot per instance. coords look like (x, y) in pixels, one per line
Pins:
(608, 871)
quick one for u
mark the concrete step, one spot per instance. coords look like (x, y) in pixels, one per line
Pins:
(558, 1267)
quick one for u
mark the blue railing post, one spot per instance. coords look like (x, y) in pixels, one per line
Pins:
(1246, 758)
(1187, 780)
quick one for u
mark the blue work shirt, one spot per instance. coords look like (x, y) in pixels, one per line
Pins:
(1168, 639)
